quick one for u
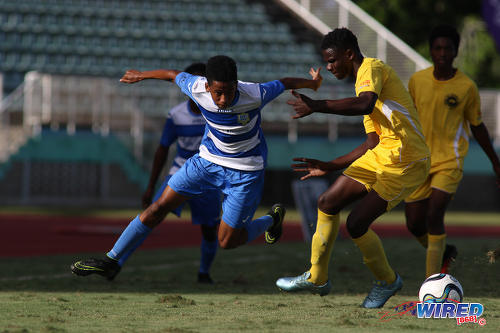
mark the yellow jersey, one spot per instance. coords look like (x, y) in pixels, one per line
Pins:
(394, 117)
(446, 108)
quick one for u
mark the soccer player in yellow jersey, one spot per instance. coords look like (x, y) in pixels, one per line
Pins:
(381, 172)
(448, 104)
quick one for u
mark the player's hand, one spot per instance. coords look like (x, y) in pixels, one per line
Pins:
(132, 76)
(147, 198)
(302, 105)
(315, 168)
(316, 76)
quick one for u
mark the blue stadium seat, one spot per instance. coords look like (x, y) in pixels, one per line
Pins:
(135, 33)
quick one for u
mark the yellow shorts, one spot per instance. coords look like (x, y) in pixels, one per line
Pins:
(392, 182)
(446, 180)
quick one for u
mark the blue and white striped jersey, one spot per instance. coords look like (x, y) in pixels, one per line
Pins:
(233, 137)
(187, 128)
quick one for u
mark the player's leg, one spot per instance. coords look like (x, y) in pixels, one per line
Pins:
(342, 192)
(394, 183)
(188, 181)
(416, 209)
(133, 235)
(142, 225)
(233, 234)
(358, 223)
(230, 237)
(416, 219)
(177, 211)
(243, 193)
(438, 203)
(209, 245)
(206, 212)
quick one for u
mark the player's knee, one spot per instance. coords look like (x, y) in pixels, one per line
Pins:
(415, 227)
(209, 233)
(153, 215)
(355, 227)
(326, 205)
(226, 243)
(410, 222)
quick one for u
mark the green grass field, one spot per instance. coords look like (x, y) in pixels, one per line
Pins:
(156, 292)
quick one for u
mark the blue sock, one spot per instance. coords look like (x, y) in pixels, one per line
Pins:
(208, 251)
(125, 256)
(133, 234)
(258, 226)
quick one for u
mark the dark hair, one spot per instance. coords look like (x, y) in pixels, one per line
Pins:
(221, 68)
(196, 68)
(341, 39)
(446, 31)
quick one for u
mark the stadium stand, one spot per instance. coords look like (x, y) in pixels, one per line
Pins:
(105, 37)
(81, 169)
(61, 59)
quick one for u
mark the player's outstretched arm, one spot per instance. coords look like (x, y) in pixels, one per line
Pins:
(296, 83)
(482, 136)
(133, 76)
(316, 168)
(351, 106)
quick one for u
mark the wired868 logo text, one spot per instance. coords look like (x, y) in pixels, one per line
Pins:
(461, 312)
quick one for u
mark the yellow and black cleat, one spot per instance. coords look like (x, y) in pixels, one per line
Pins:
(108, 267)
(273, 233)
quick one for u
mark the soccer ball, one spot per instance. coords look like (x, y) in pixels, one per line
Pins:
(440, 288)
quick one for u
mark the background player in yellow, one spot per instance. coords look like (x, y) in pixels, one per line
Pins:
(381, 172)
(448, 104)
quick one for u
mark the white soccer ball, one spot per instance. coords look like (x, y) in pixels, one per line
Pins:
(441, 288)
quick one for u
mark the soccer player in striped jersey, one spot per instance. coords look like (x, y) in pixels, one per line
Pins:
(387, 167)
(232, 159)
(185, 125)
(448, 105)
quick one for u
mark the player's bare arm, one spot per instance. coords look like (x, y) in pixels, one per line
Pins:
(296, 83)
(159, 161)
(351, 106)
(133, 75)
(316, 168)
(480, 133)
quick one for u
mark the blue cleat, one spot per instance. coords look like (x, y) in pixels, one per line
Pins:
(381, 292)
(300, 282)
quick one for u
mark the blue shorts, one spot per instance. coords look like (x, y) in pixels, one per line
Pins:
(242, 189)
(205, 209)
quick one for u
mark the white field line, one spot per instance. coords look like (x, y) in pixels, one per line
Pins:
(242, 260)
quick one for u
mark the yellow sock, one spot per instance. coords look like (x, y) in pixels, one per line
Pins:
(374, 256)
(327, 229)
(423, 240)
(435, 252)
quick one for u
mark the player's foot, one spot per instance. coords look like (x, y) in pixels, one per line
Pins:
(300, 282)
(205, 278)
(381, 292)
(273, 233)
(449, 256)
(108, 267)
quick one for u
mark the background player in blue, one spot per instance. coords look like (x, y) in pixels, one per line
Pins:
(186, 126)
(232, 158)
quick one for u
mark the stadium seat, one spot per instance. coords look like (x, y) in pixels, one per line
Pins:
(145, 34)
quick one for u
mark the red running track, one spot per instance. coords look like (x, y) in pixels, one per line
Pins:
(46, 235)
